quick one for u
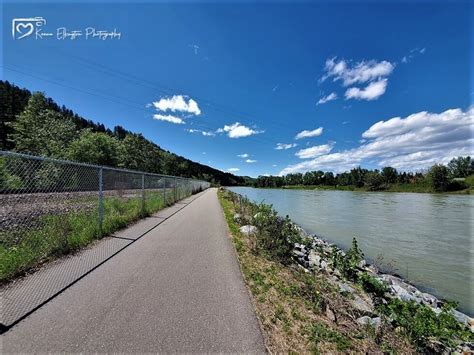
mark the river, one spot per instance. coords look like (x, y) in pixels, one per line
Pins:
(427, 237)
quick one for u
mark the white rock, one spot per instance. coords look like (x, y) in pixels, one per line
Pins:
(237, 217)
(365, 320)
(362, 305)
(248, 230)
(343, 287)
(324, 265)
(461, 317)
(313, 259)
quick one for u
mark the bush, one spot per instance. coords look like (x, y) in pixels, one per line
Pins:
(348, 264)
(276, 235)
(424, 327)
(372, 285)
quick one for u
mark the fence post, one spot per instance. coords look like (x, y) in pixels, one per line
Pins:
(101, 202)
(143, 194)
(164, 192)
(175, 189)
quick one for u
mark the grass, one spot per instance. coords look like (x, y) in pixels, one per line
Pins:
(291, 303)
(58, 235)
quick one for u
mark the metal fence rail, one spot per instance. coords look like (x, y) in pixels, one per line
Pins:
(50, 207)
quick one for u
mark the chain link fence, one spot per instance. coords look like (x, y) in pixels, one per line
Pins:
(51, 207)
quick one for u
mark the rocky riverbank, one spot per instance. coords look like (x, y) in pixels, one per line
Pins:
(377, 296)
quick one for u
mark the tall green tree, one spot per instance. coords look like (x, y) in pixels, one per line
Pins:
(41, 131)
(460, 167)
(389, 175)
(140, 154)
(95, 148)
(439, 177)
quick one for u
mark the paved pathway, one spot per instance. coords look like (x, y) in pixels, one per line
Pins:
(177, 289)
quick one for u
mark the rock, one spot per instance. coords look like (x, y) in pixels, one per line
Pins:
(404, 294)
(237, 217)
(343, 287)
(428, 299)
(367, 321)
(324, 265)
(461, 317)
(248, 230)
(330, 314)
(313, 259)
(298, 253)
(362, 305)
(362, 263)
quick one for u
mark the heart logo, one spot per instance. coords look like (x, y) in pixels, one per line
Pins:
(24, 29)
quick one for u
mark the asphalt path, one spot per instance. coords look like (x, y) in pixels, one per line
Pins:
(177, 289)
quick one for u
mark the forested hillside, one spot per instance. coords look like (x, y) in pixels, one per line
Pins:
(33, 123)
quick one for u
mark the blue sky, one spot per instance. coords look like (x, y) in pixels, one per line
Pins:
(227, 83)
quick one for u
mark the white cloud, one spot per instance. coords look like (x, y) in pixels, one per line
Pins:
(168, 118)
(245, 155)
(324, 99)
(314, 151)
(204, 133)
(250, 161)
(283, 146)
(238, 130)
(306, 134)
(233, 170)
(178, 103)
(361, 72)
(372, 92)
(274, 165)
(195, 48)
(412, 143)
(413, 53)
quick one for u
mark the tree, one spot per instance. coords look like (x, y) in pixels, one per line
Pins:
(389, 175)
(358, 176)
(95, 148)
(439, 176)
(460, 167)
(42, 131)
(137, 153)
(374, 180)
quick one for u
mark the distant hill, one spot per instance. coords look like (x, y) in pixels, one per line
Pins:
(151, 157)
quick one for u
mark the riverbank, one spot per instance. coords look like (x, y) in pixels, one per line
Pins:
(412, 188)
(311, 296)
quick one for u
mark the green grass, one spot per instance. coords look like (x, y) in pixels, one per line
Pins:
(319, 332)
(58, 235)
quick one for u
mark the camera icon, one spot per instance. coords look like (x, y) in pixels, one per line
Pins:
(25, 27)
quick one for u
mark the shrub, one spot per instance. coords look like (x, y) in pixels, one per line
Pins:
(276, 235)
(424, 327)
(348, 264)
(372, 285)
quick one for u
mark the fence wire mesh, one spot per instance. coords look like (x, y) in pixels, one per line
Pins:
(52, 207)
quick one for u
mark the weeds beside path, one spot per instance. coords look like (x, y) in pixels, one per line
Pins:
(300, 311)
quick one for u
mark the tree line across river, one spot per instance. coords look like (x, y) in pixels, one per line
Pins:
(457, 175)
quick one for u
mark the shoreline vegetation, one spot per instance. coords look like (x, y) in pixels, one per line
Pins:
(311, 296)
(403, 188)
(456, 177)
